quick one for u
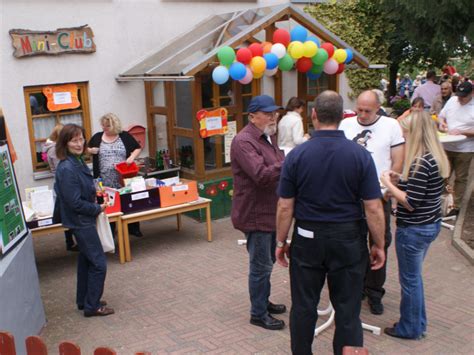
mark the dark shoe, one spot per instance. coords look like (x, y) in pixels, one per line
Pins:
(376, 307)
(137, 233)
(391, 332)
(453, 212)
(101, 312)
(74, 247)
(268, 322)
(102, 303)
(276, 308)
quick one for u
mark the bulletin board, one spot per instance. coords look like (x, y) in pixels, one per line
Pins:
(12, 221)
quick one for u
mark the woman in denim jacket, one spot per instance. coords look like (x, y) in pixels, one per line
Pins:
(76, 197)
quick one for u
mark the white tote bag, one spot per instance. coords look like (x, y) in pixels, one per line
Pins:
(105, 233)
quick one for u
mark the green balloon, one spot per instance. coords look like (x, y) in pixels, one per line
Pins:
(226, 55)
(285, 63)
(320, 57)
(316, 69)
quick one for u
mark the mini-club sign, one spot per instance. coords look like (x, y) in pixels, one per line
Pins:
(29, 43)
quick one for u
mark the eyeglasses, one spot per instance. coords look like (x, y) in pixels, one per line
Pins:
(269, 114)
(77, 141)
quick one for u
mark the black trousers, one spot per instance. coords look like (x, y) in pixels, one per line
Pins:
(375, 279)
(339, 252)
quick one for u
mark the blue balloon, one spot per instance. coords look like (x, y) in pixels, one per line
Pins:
(220, 75)
(315, 40)
(313, 76)
(299, 33)
(271, 59)
(237, 71)
(350, 55)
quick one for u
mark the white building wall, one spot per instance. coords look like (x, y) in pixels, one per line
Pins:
(124, 32)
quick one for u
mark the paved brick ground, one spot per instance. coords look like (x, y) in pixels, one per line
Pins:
(181, 294)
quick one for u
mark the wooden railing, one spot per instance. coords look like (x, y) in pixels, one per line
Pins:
(36, 346)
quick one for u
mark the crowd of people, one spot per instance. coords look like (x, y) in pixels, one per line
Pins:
(335, 189)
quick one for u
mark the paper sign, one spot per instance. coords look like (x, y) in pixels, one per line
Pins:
(180, 188)
(213, 123)
(45, 222)
(140, 196)
(229, 136)
(62, 98)
(42, 202)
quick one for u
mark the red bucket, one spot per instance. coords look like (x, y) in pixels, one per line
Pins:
(126, 171)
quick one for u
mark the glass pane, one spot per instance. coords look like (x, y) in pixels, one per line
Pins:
(159, 94)
(184, 113)
(43, 127)
(38, 104)
(246, 102)
(310, 127)
(226, 95)
(161, 138)
(315, 87)
(75, 118)
(210, 153)
(247, 88)
(206, 89)
(185, 152)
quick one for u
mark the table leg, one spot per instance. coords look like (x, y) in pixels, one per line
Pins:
(126, 242)
(208, 222)
(120, 241)
(178, 221)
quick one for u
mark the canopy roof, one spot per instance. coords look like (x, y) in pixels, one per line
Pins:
(191, 52)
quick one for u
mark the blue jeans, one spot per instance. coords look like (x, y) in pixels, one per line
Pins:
(412, 243)
(91, 268)
(261, 247)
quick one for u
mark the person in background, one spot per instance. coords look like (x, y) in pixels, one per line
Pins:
(256, 164)
(381, 97)
(418, 218)
(457, 118)
(49, 149)
(323, 184)
(76, 199)
(290, 127)
(417, 82)
(110, 147)
(441, 99)
(417, 105)
(406, 86)
(428, 90)
(383, 138)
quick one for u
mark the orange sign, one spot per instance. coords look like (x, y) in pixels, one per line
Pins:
(61, 97)
(212, 123)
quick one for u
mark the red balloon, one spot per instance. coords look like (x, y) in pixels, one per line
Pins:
(244, 55)
(329, 48)
(340, 69)
(304, 64)
(256, 49)
(282, 36)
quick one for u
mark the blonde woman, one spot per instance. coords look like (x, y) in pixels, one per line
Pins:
(110, 147)
(418, 217)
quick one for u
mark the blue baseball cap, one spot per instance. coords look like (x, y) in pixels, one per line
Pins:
(263, 103)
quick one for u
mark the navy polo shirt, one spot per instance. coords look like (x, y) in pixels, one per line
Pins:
(328, 176)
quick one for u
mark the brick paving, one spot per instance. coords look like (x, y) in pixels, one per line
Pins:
(181, 294)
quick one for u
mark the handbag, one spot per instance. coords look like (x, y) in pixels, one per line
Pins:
(105, 233)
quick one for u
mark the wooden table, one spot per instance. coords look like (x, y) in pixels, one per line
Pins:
(113, 217)
(164, 212)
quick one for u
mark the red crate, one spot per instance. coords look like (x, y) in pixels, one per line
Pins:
(126, 171)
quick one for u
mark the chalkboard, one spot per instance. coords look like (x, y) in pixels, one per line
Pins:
(12, 221)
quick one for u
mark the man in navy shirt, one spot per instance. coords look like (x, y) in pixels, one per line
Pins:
(326, 183)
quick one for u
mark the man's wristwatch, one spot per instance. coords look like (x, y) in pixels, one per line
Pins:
(281, 244)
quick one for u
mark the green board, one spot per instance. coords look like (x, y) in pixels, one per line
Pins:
(12, 223)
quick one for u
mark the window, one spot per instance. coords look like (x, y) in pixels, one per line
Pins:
(41, 121)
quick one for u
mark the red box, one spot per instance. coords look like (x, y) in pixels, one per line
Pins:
(126, 171)
(178, 194)
(113, 200)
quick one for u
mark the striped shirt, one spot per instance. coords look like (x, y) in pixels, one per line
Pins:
(423, 190)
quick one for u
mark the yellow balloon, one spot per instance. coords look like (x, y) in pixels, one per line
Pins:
(296, 49)
(258, 75)
(258, 65)
(309, 49)
(340, 55)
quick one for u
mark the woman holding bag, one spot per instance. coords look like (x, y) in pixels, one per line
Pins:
(76, 196)
(418, 218)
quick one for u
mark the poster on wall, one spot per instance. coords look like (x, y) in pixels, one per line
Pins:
(212, 122)
(229, 136)
(12, 222)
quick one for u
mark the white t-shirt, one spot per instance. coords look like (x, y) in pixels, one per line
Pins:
(460, 117)
(290, 131)
(378, 138)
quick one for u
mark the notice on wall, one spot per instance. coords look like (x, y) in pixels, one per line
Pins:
(12, 223)
(228, 137)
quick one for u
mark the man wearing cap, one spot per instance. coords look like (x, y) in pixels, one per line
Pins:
(256, 164)
(457, 118)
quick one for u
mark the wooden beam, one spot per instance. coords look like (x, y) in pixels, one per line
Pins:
(150, 122)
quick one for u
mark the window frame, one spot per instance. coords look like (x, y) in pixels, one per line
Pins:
(84, 110)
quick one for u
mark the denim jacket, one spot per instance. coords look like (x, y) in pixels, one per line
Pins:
(75, 194)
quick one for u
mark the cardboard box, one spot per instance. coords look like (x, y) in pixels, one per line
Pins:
(178, 194)
(140, 201)
(114, 201)
(41, 222)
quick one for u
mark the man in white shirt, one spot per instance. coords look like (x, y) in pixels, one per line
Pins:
(383, 138)
(428, 90)
(457, 118)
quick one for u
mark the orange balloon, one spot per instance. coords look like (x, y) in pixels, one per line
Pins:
(267, 47)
